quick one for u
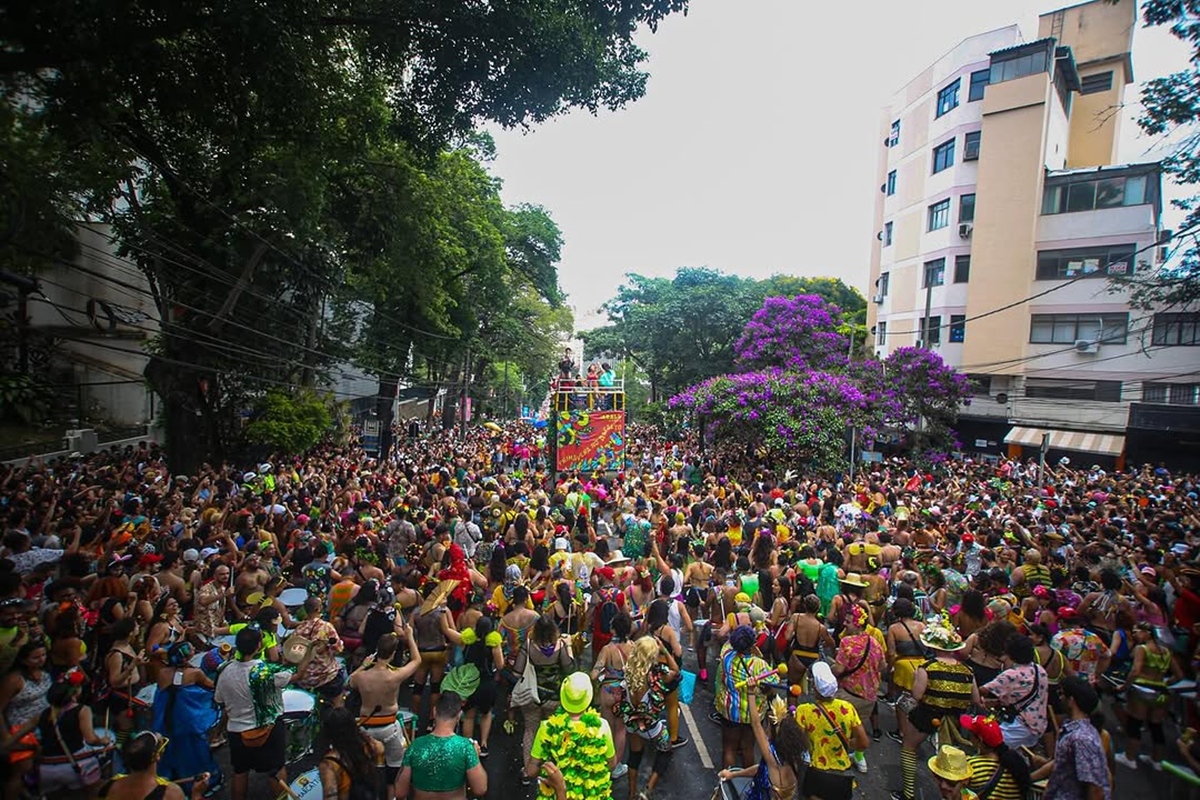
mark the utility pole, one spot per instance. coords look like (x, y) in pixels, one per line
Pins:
(1042, 462)
(466, 394)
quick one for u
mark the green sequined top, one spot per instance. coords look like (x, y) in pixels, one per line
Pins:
(440, 763)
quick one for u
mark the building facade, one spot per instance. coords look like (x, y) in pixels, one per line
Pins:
(1002, 213)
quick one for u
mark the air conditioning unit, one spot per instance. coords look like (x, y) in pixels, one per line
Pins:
(964, 230)
(1086, 346)
(878, 299)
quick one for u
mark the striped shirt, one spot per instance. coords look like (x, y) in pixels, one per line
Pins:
(731, 701)
(982, 770)
(949, 686)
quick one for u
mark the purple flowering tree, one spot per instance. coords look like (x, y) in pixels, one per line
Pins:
(930, 393)
(797, 395)
(793, 333)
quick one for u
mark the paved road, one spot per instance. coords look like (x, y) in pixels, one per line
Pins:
(692, 775)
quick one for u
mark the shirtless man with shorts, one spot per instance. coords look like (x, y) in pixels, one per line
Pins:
(378, 683)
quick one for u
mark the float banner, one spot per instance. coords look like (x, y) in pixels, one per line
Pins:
(590, 441)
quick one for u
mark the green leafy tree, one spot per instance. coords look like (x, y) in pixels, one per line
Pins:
(1171, 106)
(290, 424)
(683, 330)
(220, 140)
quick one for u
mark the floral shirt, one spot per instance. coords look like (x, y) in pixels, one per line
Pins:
(324, 666)
(1079, 760)
(1082, 649)
(1015, 687)
(861, 649)
(825, 748)
(212, 616)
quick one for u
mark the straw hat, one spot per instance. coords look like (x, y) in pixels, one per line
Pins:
(941, 637)
(259, 599)
(438, 596)
(617, 557)
(854, 579)
(295, 648)
(950, 763)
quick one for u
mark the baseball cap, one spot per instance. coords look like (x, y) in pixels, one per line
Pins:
(191, 555)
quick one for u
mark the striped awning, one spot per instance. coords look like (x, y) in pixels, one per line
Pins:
(1102, 443)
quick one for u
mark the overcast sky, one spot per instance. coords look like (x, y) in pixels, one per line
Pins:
(754, 149)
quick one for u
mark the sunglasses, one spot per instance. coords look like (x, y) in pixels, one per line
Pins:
(160, 742)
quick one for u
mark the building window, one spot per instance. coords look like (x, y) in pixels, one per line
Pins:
(1071, 328)
(882, 283)
(1094, 84)
(947, 98)
(1085, 262)
(943, 156)
(880, 333)
(1177, 394)
(1176, 330)
(935, 273)
(979, 82)
(962, 269)
(1094, 194)
(958, 327)
(895, 140)
(887, 234)
(966, 208)
(1059, 389)
(891, 183)
(971, 146)
(1010, 66)
(932, 330)
(939, 215)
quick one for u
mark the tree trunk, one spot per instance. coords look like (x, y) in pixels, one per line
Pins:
(384, 402)
(189, 441)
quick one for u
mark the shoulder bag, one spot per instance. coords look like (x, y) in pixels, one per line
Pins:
(525, 692)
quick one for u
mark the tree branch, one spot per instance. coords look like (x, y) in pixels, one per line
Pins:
(235, 293)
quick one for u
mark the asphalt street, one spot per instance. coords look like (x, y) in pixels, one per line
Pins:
(692, 775)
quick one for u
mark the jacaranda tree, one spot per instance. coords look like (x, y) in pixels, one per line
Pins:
(798, 395)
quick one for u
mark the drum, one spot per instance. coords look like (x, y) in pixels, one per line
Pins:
(307, 786)
(105, 753)
(1037, 789)
(300, 720)
(197, 659)
(143, 708)
(293, 597)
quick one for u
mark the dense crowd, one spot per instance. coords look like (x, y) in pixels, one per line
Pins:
(376, 617)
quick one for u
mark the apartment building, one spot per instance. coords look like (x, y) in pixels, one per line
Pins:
(1002, 212)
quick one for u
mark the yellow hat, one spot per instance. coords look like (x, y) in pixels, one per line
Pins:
(950, 763)
(576, 693)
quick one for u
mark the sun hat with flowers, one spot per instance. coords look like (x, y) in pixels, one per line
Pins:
(940, 635)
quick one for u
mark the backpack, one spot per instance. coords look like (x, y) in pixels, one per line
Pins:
(608, 610)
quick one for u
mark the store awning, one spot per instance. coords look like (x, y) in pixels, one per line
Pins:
(1102, 443)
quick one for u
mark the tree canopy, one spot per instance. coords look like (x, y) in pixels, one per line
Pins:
(796, 394)
(301, 183)
(682, 330)
(1171, 106)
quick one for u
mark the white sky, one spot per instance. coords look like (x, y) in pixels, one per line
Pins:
(755, 147)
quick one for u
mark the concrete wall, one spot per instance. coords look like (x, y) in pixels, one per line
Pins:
(107, 365)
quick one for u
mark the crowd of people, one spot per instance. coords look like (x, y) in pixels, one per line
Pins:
(387, 619)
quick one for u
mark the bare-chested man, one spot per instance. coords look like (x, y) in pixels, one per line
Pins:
(378, 683)
(252, 577)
